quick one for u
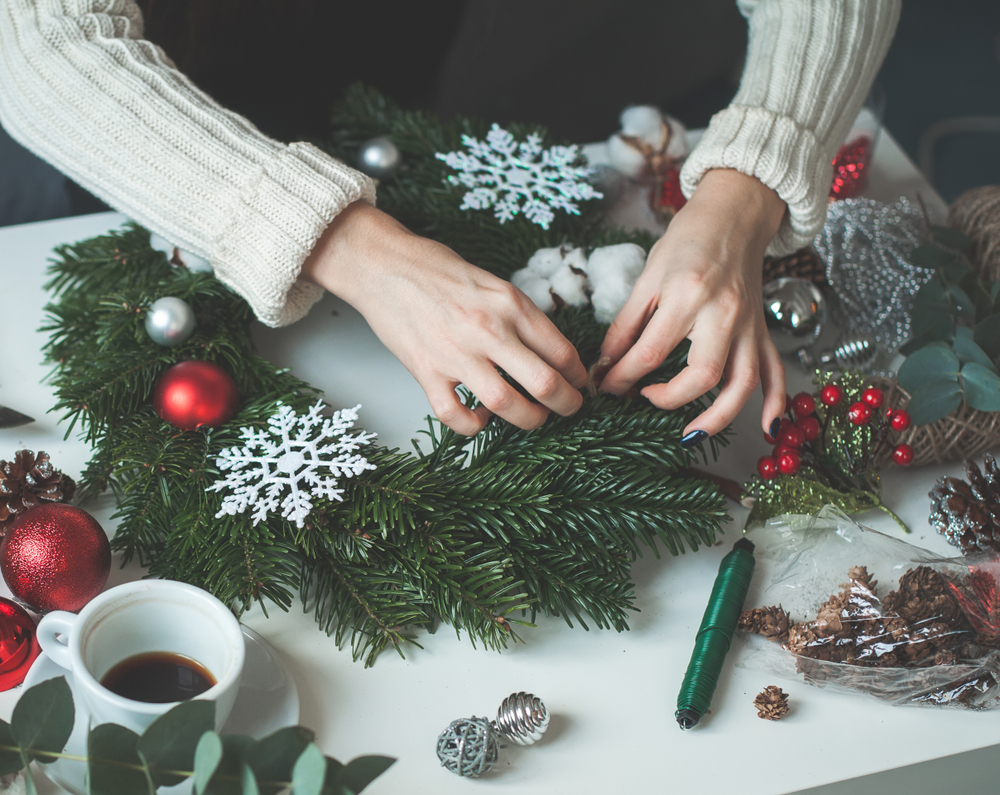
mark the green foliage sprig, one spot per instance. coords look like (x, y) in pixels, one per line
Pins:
(180, 744)
(482, 534)
(955, 350)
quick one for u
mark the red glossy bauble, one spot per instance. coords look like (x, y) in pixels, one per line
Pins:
(810, 427)
(18, 644)
(767, 467)
(902, 455)
(873, 397)
(195, 393)
(859, 413)
(900, 420)
(792, 437)
(803, 404)
(789, 463)
(831, 394)
(55, 557)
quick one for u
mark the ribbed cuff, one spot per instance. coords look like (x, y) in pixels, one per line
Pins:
(274, 224)
(781, 154)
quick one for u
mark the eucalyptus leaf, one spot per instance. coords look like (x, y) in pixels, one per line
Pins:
(273, 758)
(929, 364)
(932, 323)
(968, 351)
(309, 772)
(207, 756)
(10, 760)
(995, 291)
(332, 784)
(43, 718)
(964, 331)
(248, 782)
(111, 748)
(931, 293)
(987, 336)
(29, 780)
(963, 303)
(228, 778)
(363, 770)
(931, 257)
(170, 741)
(934, 400)
(951, 238)
(956, 269)
(981, 300)
(982, 386)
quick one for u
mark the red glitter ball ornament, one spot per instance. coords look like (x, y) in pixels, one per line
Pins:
(831, 394)
(859, 413)
(668, 198)
(900, 420)
(803, 404)
(789, 463)
(18, 644)
(792, 437)
(810, 427)
(873, 397)
(850, 168)
(195, 393)
(767, 467)
(55, 557)
(902, 455)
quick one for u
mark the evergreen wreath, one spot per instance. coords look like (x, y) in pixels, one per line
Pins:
(481, 533)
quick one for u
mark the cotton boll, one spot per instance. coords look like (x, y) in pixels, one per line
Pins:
(174, 254)
(535, 287)
(613, 272)
(644, 122)
(570, 285)
(576, 258)
(546, 261)
(626, 159)
(160, 243)
(678, 147)
(194, 262)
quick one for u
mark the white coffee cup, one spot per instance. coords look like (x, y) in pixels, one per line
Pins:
(140, 618)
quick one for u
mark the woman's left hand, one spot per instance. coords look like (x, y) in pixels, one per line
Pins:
(702, 281)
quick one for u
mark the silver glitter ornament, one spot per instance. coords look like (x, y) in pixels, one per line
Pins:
(379, 158)
(867, 246)
(522, 718)
(170, 321)
(794, 311)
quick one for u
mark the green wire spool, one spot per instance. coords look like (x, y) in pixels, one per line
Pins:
(715, 634)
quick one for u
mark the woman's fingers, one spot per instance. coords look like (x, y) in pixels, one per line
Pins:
(772, 381)
(540, 336)
(448, 408)
(665, 329)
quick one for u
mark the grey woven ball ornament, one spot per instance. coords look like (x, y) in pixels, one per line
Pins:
(468, 747)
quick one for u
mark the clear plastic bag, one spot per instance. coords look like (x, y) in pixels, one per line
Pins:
(874, 614)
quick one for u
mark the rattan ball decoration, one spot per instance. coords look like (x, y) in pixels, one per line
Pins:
(977, 213)
(471, 746)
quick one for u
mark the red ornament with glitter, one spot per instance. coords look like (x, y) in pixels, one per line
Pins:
(195, 393)
(18, 644)
(55, 557)
(850, 168)
(666, 197)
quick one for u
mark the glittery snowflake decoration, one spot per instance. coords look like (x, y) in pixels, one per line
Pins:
(502, 172)
(295, 459)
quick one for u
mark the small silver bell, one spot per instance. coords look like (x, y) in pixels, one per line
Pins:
(795, 312)
(851, 353)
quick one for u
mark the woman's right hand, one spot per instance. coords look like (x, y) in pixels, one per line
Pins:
(448, 322)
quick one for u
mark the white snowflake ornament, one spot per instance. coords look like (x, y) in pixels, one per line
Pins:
(514, 177)
(296, 459)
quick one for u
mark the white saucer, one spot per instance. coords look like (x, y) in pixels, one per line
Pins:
(267, 701)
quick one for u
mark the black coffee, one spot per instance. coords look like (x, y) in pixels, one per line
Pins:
(158, 677)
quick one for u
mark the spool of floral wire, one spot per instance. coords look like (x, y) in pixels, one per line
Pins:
(715, 634)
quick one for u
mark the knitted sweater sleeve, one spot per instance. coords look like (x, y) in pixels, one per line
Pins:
(81, 88)
(810, 64)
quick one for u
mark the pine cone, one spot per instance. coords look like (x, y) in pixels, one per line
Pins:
(30, 480)
(771, 622)
(968, 514)
(771, 703)
(802, 264)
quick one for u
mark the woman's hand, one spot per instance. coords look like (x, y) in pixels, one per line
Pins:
(448, 322)
(703, 281)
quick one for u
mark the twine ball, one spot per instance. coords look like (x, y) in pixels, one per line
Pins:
(976, 213)
(468, 747)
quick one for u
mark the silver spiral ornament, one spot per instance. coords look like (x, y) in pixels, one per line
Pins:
(851, 353)
(522, 718)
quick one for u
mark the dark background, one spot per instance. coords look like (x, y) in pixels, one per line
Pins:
(572, 66)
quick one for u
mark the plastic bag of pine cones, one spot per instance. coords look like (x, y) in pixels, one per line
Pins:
(841, 606)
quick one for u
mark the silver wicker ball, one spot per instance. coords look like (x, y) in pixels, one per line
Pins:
(170, 321)
(379, 158)
(468, 747)
(795, 312)
(522, 718)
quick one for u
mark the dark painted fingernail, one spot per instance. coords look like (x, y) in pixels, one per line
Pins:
(693, 438)
(775, 427)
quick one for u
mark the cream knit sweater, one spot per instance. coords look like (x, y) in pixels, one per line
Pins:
(81, 88)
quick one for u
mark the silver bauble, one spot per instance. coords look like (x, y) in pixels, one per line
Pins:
(795, 312)
(170, 321)
(379, 158)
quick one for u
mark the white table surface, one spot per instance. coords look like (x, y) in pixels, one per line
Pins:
(612, 695)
